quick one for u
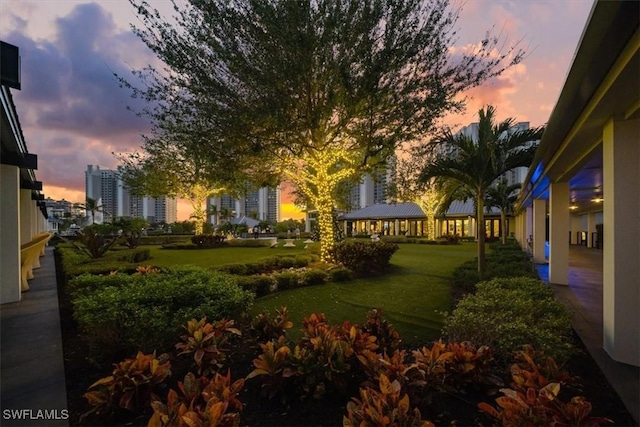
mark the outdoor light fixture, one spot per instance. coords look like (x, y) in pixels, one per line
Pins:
(573, 207)
(597, 199)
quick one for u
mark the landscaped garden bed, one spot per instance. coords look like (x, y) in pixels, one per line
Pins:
(327, 363)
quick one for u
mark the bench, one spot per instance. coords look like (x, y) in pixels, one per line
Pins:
(30, 253)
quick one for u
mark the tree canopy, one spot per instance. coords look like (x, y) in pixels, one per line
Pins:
(314, 92)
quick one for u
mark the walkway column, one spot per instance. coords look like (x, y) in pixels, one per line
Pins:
(576, 228)
(528, 222)
(35, 212)
(396, 231)
(25, 216)
(559, 233)
(591, 228)
(539, 230)
(10, 233)
(621, 256)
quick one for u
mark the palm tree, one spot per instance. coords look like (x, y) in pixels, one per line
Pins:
(92, 206)
(226, 214)
(503, 197)
(473, 166)
(214, 212)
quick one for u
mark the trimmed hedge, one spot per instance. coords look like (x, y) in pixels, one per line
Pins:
(146, 312)
(135, 255)
(259, 285)
(313, 277)
(507, 313)
(502, 261)
(73, 262)
(286, 280)
(268, 265)
(164, 239)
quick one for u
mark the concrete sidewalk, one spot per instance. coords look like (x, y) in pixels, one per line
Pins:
(32, 387)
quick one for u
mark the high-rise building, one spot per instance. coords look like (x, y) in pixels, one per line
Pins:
(373, 188)
(117, 201)
(102, 186)
(166, 209)
(262, 204)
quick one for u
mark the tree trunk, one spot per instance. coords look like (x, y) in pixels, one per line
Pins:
(481, 234)
(503, 218)
(324, 205)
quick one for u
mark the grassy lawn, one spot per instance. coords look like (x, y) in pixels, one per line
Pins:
(412, 295)
(216, 257)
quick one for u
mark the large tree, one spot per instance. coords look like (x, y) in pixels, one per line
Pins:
(469, 166)
(317, 91)
(174, 169)
(407, 188)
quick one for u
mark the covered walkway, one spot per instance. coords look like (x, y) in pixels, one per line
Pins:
(583, 296)
(32, 383)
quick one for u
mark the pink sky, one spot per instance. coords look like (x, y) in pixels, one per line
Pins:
(73, 113)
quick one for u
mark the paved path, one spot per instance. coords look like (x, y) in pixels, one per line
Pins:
(32, 382)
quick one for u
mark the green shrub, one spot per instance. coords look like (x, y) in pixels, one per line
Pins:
(507, 313)
(394, 239)
(451, 239)
(259, 267)
(365, 258)
(163, 239)
(208, 241)
(102, 267)
(340, 274)
(288, 262)
(313, 277)
(248, 243)
(530, 287)
(135, 255)
(286, 280)
(465, 276)
(427, 242)
(304, 260)
(147, 311)
(505, 261)
(260, 285)
(511, 245)
(510, 269)
(74, 262)
(268, 265)
(87, 283)
(94, 242)
(238, 269)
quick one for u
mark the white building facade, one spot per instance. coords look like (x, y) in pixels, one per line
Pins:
(117, 201)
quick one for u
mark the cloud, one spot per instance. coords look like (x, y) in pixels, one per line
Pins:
(71, 108)
(69, 80)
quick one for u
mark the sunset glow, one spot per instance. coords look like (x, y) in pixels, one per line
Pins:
(73, 113)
